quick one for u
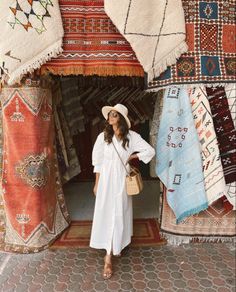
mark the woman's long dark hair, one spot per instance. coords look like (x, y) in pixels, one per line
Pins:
(123, 129)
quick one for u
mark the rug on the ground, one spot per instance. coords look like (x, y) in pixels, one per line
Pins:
(146, 233)
(34, 206)
(92, 44)
(214, 224)
(148, 26)
(210, 28)
(31, 33)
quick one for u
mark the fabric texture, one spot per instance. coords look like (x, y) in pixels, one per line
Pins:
(210, 29)
(31, 34)
(179, 164)
(92, 44)
(2, 212)
(71, 104)
(30, 172)
(214, 224)
(225, 130)
(156, 39)
(230, 90)
(214, 180)
(154, 128)
(112, 200)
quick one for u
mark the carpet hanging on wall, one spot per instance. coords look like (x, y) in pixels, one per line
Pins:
(92, 45)
(211, 56)
(31, 34)
(35, 211)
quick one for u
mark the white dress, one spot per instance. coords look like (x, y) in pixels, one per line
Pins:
(112, 226)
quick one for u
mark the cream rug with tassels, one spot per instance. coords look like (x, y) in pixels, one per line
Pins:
(154, 28)
(31, 34)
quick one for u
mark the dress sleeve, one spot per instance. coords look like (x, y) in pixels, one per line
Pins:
(97, 154)
(146, 151)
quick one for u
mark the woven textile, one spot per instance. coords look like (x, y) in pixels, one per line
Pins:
(179, 164)
(148, 26)
(146, 233)
(92, 44)
(210, 28)
(71, 104)
(230, 90)
(225, 130)
(2, 213)
(31, 33)
(154, 128)
(215, 185)
(33, 199)
(213, 224)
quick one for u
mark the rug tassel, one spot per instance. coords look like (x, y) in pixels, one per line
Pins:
(35, 63)
(166, 61)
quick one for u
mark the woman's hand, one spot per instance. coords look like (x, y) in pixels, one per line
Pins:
(95, 189)
(133, 156)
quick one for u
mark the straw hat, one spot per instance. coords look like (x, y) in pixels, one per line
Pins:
(120, 108)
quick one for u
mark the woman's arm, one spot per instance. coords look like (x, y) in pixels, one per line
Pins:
(145, 150)
(96, 183)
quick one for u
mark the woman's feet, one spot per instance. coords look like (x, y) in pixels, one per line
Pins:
(107, 272)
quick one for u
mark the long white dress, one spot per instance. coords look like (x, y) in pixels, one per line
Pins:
(112, 226)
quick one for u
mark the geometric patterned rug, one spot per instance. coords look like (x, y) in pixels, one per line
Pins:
(146, 233)
(210, 35)
(214, 224)
(92, 44)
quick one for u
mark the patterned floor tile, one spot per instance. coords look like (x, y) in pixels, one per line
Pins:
(196, 268)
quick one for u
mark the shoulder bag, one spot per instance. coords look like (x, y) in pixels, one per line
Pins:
(133, 181)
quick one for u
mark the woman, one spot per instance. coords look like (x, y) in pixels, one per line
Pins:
(113, 215)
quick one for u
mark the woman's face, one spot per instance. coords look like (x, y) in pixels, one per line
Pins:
(113, 118)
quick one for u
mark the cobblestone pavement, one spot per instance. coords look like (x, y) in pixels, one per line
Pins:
(192, 268)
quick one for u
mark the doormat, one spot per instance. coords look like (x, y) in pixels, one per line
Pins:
(146, 233)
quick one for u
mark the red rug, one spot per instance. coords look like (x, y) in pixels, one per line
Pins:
(146, 233)
(34, 208)
(92, 44)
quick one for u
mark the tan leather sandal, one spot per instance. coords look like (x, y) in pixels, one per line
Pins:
(107, 272)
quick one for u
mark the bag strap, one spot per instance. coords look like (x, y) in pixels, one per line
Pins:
(120, 157)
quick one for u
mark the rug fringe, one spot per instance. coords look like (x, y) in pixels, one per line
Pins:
(190, 85)
(179, 240)
(95, 70)
(191, 212)
(51, 52)
(167, 60)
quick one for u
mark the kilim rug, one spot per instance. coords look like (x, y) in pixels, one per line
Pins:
(146, 233)
(148, 26)
(225, 130)
(2, 213)
(179, 162)
(92, 44)
(213, 224)
(214, 180)
(35, 211)
(31, 33)
(210, 27)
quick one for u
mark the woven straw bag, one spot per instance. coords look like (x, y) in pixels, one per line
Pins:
(133, 181)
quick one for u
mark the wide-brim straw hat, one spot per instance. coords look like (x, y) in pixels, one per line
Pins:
(120, 108)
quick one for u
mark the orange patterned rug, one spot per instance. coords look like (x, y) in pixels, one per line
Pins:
(146, 233)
